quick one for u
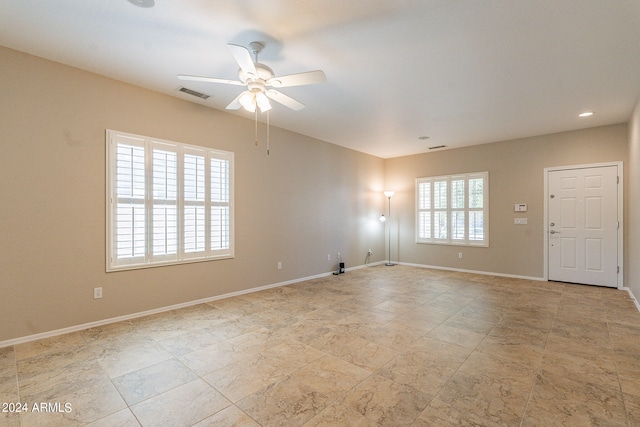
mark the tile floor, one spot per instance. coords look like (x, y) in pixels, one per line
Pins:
(394, 346)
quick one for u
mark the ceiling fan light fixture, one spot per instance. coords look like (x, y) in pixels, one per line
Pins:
(263, 102)
(248, 101)
(257, 77)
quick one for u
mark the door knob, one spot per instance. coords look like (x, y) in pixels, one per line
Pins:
(554, 232)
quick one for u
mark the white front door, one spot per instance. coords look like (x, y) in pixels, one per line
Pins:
(583, 225)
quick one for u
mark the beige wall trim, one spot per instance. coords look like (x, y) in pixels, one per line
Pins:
(484, 273)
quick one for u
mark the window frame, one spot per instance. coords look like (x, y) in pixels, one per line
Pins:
(152, 202)
(438, 209)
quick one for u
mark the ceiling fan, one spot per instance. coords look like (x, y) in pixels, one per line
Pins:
(259, 78)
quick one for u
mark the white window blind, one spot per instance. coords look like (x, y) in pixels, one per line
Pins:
(453, 209)
(167, 202)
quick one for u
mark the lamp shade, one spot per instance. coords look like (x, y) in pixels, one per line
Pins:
(389, 193)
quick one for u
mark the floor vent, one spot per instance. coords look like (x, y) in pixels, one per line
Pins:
(193, 92)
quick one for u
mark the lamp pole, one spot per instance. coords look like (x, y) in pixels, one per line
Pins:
(389, 194)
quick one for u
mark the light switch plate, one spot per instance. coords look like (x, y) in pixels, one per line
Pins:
(520, 221)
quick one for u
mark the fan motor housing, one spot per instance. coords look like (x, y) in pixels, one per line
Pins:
(256, 85)
(264, 73)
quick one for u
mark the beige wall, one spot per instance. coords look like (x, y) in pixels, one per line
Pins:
(304, 201)
(632, 279)
(516, 175)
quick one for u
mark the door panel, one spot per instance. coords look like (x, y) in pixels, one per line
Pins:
(568, 252)
(583, 225)
(568, 213)
(593, 213)
(594, 252)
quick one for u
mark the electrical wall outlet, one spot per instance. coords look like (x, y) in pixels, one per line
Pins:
(328, 257)
(460, 255)
(97, 293)
(279, 265)
(370, 252)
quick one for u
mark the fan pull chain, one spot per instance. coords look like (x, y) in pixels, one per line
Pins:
(267, 132)
(256, 127)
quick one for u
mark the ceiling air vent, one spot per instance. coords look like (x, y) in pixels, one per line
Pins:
(436, 147)
(193, 92)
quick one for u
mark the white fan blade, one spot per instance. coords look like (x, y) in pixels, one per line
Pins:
(285, 100)
(209, 80)
(235, 104)
(299, 79)
(243, 58)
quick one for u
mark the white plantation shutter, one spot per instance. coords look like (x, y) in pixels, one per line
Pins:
(478, 186)
(440, 227)
(130, 182)
(194, 203)
(453, 209)
(458, 203)
(220, 224)
(167, 202)
(425, 231)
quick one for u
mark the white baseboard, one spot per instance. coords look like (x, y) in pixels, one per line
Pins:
(635, 300)
(76, 328)
(542, 279)
(49, 334)
(485, 273)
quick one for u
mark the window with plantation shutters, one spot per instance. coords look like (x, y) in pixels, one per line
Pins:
(453, 209)
(167, 202)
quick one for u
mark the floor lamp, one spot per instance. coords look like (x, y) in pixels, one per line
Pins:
(388, 194)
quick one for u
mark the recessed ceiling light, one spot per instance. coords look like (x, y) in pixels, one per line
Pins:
(586, 114)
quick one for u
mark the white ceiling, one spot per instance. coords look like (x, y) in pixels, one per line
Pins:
(461, 72)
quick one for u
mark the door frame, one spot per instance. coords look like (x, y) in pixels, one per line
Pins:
(620, 188)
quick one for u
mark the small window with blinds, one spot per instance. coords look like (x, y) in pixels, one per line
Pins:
(453, 209)
(167, 202)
